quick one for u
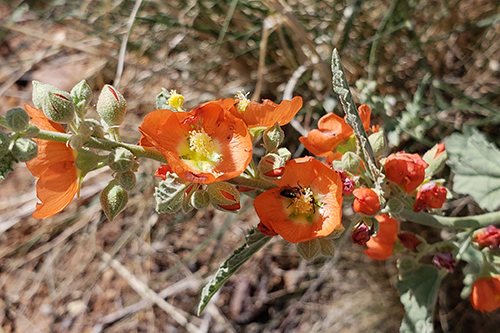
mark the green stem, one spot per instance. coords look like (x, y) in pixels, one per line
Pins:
(102, 144)
(465, 222)
(257, 184)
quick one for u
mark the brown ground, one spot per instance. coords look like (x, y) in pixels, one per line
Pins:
(79, 272)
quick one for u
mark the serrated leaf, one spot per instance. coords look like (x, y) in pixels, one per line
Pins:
(476, 165)
(419, 292)
(255, 240)
(169, 194)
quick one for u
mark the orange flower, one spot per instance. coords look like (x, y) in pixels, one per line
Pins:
(485, 294)
(307, 203)
(488, 237)
(204, 145)
(267, 113)
(366, 201)
(430, 195)
(57, 177)
(331, 131)
(405, 169)
(380, 246)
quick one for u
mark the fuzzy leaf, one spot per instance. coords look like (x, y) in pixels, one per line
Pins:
(476, 164)
(310, 249)
(6, 165)
(169, 194)
(255, 240)
(418, 288)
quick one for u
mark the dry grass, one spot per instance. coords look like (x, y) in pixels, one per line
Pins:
(78, 272)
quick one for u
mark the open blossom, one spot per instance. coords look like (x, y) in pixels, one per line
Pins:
(307, 203)
(366, 201)
(204, 145)
(405, 169)
(331, 131)
(485, 294)
(57, 177)
(489, 237)
(264, 114)
(430, 195)
(380, 246)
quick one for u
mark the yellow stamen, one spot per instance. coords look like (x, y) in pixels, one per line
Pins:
(304, 202)
(201, 143)
(243, 101)
(176, 100)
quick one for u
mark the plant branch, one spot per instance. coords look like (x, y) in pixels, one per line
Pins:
(464, 222)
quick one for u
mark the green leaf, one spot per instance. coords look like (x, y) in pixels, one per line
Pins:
(169, 194)
(6, 163)
(255, 240)
(435, 164)
(310, 249)
(476, 164)
(419, 289)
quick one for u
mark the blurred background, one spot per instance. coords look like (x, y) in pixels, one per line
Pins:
(427, 68)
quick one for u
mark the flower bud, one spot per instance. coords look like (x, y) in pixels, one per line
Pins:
(350, 162)
(361, 234)
(409, 240)
(17, 119)
(82, 94)
(120, 159)
(487, 237)
(4, 143)
(111, 106)
(366, 201)
(40, 91)
(113, 198)
(271, 166)
(273, 137)
(58, 106)
(444, 260)
(76, 142)
(200, 199)
(378, 143)
(24, 149)
(284, 153)
(126, 179)
(224, 196)
(86, 128)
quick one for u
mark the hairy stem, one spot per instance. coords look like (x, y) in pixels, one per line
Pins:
(465, 222)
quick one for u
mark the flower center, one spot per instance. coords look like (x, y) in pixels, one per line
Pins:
(200, 142)
(243, 101)
(304, 202)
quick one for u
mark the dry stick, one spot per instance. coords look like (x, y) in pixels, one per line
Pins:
(268, 24)
(287, 94)
(148, 294)
(123, 47)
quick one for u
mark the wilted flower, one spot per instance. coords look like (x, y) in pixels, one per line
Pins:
(430, 195)
(366, 201)
(405, 169)
(444, 260)
(489, 237)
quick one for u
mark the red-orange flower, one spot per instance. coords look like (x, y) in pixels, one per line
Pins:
(331, 131)
(430, 195)
(307, 203)
(366, 201)
(267, 113)
(57, 177)
(405, 169)
(204, 145)
(485, 294)
(489, 237)
(380, 246)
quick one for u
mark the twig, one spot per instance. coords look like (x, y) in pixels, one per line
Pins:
(148, 294)
(123, 47)
(287, 94)
(268, 24)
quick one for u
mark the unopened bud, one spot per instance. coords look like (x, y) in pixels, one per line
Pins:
(409, 240)
(126, 179)
(4, 143)
(361, 235)
(273, 137)
(224, 196)
(86, 128)
(200, 199)
(17, 119)
(58, 106)
(76, 142)
(378, 142)
(111, 106)
(120, 159)
(271, 166)
(40, 91)
(350, 162)
(82, 94)
(24, 149)
(86, 161)
(366, 201)
(113, 198)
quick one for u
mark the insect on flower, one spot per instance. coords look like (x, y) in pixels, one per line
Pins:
(299, 193)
